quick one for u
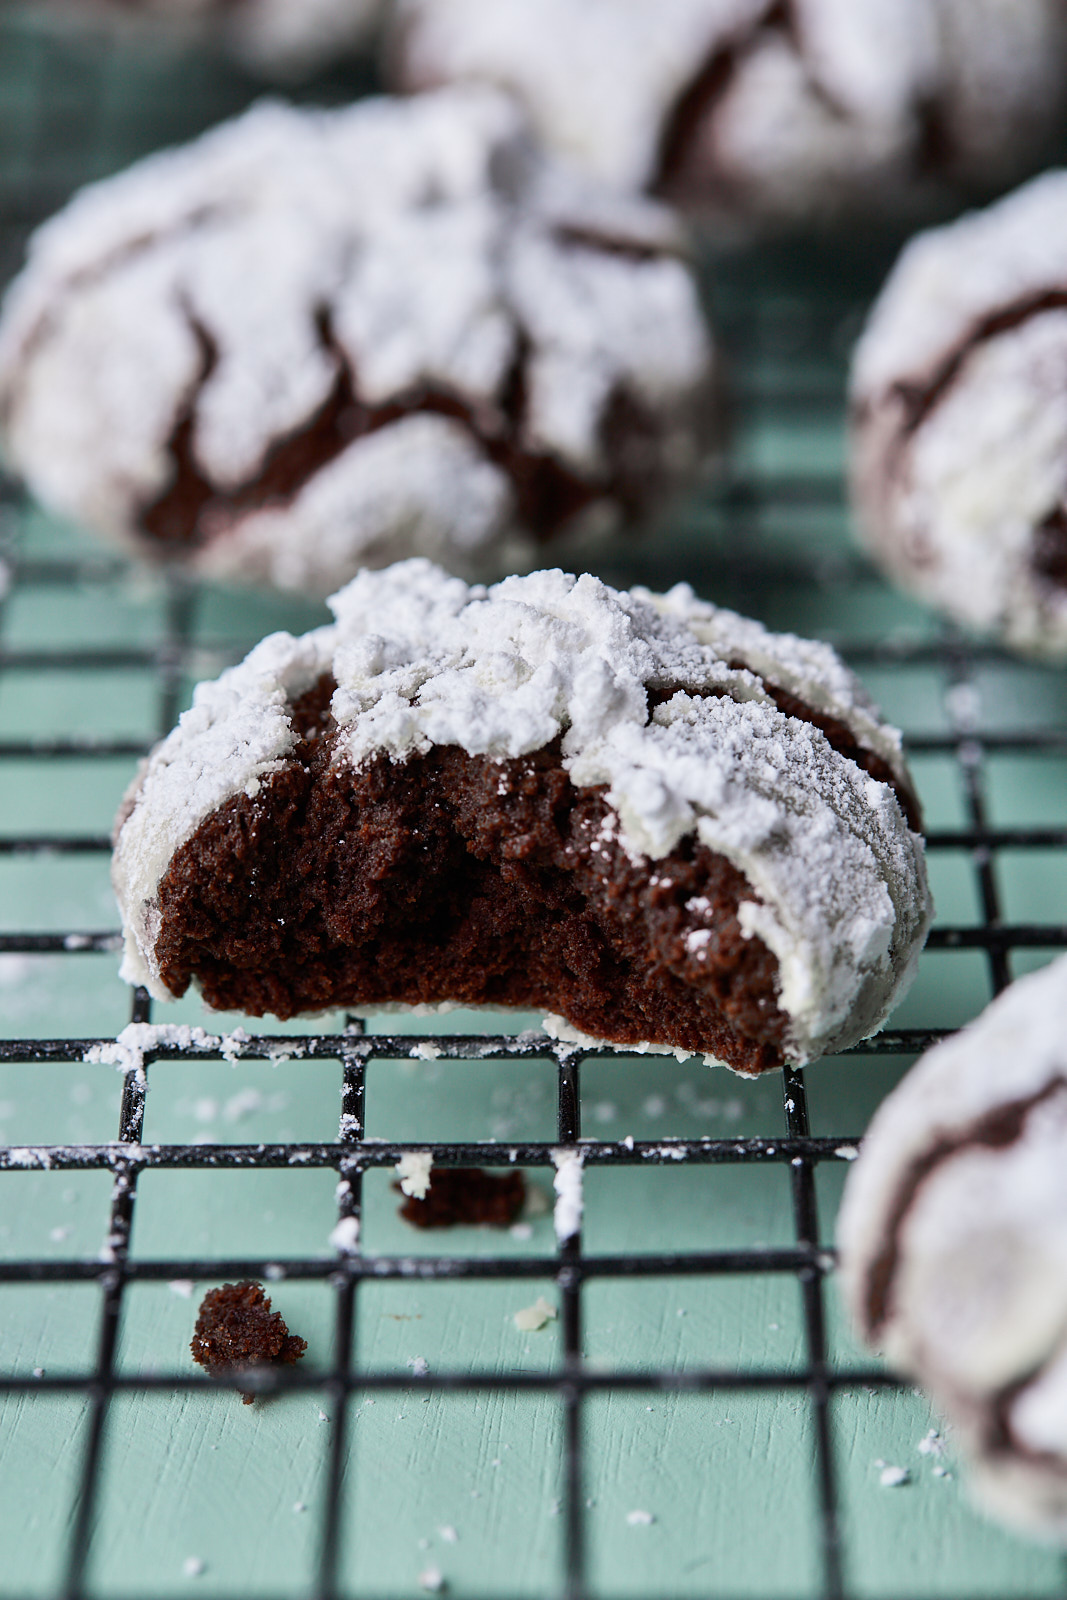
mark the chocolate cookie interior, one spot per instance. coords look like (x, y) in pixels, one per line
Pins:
(464, 878)
(471, 879)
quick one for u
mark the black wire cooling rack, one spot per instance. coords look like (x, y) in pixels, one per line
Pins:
(744, 499)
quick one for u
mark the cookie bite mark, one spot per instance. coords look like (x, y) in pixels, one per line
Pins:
(464, 878)
(996, 1130)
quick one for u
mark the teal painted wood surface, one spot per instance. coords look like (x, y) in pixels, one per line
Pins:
(722, 1485)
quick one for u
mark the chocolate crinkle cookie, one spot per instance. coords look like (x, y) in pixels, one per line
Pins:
(774, 110)
(959, 419)
(647, 816)
(281, 39)
(953, 1241)
(316, 340)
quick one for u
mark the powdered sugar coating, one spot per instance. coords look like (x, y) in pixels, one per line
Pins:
(976, 1305)
(423, 659)
(805, 107)
(322, 339)
(960, 408)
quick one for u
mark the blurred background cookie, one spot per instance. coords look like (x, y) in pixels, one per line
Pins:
(959, 419)
(314, 340)
(755, 109)
(953, 1239)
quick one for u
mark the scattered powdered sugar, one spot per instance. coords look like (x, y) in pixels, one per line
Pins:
(183, 1287)
(419, 1366)
(432, 1580)
(531, 1319)
(345, 1236)
(448, 1534)
(193, 1567)
(137, 1039)
(893, 1477)
(413, 1170)
(640, 1519)
(567, 1216)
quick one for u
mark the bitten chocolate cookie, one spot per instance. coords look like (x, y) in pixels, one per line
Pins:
(953, 1239)
(316, 340)
(644, 814)
(767, 109)
(959, 403)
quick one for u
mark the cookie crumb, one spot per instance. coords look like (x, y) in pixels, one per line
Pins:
(414, 1171)
(466, 1196)
(236, 1331)
(532, 1318)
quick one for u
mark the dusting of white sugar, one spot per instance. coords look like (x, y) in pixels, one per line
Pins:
(567, 1215)
(413, 1170)
(345, 1236)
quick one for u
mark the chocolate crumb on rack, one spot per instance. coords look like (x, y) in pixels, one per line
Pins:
(467, 1196)
(236, 1332)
